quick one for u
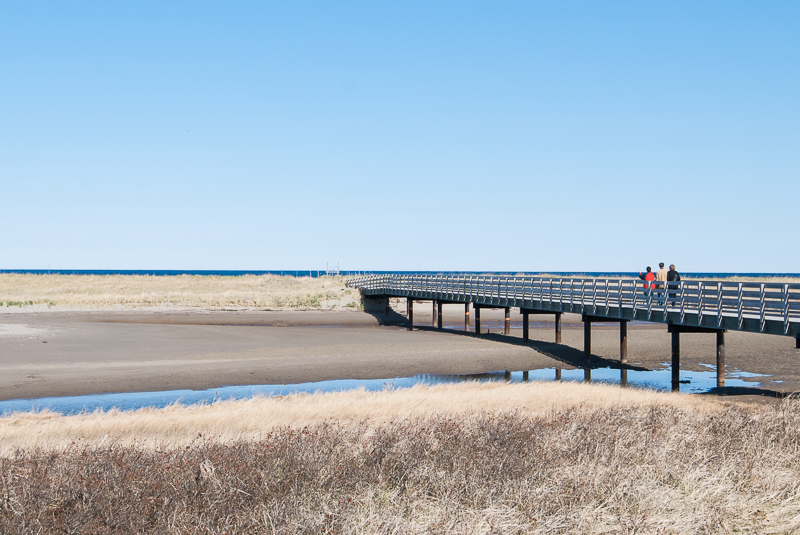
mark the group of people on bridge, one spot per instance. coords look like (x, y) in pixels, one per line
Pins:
(655, 281)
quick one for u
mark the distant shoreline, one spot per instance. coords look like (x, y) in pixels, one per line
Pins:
(314, 273)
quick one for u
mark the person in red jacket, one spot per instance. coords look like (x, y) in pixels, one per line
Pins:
(648, 278)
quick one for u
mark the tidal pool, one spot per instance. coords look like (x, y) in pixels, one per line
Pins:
(691, 382)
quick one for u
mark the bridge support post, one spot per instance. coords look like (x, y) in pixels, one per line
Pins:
(478, 320)
(558, 374)
(676, 331)
(439, 315)
(466, 317)
(525, 326)
(410, 309)
(797, 343)
(434, 317)
(587, 341)
(507, 319)
(676, 360)
(720, 359)
(623, 352)
(623, 342)
(507, 375)
(525, 376)
(558, 327)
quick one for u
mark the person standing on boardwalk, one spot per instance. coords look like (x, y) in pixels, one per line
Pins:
(661, 277)
(648, 278)
(673, 276)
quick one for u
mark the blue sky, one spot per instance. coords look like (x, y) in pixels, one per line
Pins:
(564, 136)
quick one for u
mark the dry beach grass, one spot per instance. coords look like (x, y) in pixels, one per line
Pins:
(191, 291)
(570, 458)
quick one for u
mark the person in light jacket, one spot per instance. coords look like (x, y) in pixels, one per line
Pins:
(661, 277)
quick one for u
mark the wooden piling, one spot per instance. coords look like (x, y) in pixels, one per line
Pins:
(466, 317)
(410, 309)
(478, 320)
(507, 324)
(587, 341)
(558, 327)
(525, 376)
(434, 318)
(720, 359)
(439, 321)
(525, 325)
(623, 342)
(676, 360)
(558, 374)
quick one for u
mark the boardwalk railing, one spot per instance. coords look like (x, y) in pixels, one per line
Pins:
(772, 308)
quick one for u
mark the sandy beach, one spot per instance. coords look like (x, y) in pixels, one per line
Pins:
(73, 352)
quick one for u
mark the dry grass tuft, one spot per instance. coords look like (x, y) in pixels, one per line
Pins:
(609, 466)
(206, 291)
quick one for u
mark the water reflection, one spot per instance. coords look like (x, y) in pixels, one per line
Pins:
(693, 382)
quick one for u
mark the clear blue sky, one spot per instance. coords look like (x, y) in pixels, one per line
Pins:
(580, 136)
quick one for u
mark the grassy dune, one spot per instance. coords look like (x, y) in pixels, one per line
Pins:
(206, 291)
(489, 458)
(193, 291)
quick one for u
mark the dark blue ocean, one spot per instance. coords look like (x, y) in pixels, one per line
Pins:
(318, 273)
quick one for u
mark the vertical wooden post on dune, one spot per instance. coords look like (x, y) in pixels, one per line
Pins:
(439, 315)
(478, 320)
(676, 360)
(720, 359)
(466, 317)
(507, 324)
(525, 325)
(410, 309)
(558, 327)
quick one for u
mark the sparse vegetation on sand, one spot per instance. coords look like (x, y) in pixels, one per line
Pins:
(204, 291)
(594, 459)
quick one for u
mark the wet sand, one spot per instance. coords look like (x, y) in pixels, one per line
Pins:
(58, 353)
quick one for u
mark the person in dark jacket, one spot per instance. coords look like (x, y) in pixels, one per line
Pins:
(672, 276)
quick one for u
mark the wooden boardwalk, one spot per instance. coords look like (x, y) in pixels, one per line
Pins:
(686, 306)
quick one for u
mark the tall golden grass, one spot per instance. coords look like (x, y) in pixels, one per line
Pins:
(226, 421)
(206, 291)
(466, 458)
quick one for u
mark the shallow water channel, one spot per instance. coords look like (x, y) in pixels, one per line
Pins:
(691, 382)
